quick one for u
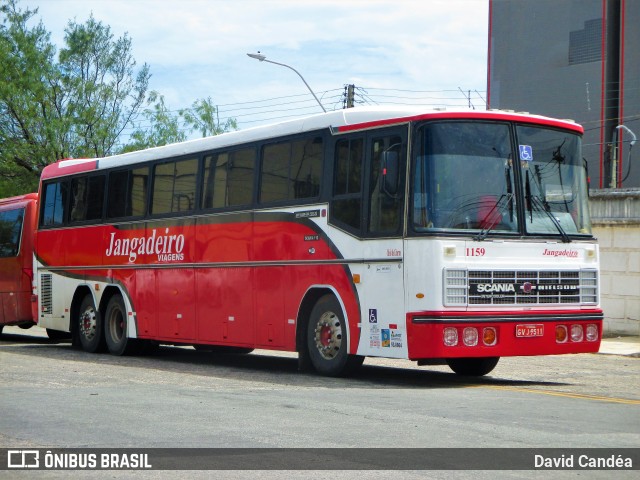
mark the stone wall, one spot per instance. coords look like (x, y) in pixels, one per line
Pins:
(615, 215)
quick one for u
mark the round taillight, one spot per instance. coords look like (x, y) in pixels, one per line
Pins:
(450, 336)
(592, 332)
(489, 336)
(561, 334)
(577, 333)
(470, 336)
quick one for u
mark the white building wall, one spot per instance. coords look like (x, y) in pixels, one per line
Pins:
(616, 225)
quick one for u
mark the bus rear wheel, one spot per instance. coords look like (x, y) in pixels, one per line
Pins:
(475, 367)
(115, 328)
(90, 326)
(327, 339)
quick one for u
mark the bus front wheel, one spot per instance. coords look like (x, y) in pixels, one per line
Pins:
(115, 328)
(90, 326)
(475, 367)
(327, 339)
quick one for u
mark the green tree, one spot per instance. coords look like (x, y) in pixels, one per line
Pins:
(26, 107)
(73, 106)
(78, 103)
(159, 126)
(105, 94)
(202, 117)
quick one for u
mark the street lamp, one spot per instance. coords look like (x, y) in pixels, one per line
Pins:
(262, 58)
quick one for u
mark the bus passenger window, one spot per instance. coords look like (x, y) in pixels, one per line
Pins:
(54, 204)
(228, 179)
(174, 187)
(347, 183)
(306, 167)
(240, 177)
(10, 232)
(384, 205)
(87, 198)
(128, 193)
(291, 170)
(274, 179)
(215, 181)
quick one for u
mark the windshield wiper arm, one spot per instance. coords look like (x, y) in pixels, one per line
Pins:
(507, 176)
(495, 218)
(537, 203)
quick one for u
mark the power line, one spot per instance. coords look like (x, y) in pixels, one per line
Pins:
(288, 106)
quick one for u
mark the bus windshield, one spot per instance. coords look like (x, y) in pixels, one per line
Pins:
(554, 181)
(465, 178)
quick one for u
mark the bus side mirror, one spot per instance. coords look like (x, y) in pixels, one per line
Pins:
(390, 172)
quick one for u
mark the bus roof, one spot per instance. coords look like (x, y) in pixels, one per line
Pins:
(18, 199)
(338, 121)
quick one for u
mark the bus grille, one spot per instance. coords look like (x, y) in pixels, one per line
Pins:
(520, 287)
(46, 293)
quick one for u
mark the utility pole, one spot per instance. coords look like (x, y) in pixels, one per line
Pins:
(467, 96)
(349, 95)
(610, 87)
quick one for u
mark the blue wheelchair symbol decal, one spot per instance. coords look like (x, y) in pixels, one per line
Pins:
(526, 153)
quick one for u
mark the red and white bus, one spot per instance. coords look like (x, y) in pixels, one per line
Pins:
(18, 217)
(437, 236)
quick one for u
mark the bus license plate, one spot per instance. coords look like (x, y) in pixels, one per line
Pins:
(529, 330)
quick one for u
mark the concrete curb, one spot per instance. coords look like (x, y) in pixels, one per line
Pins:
(626, 346)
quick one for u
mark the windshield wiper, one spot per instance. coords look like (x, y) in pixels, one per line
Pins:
(507, 177)
(495, 218)
(536, 202)
(533, 202)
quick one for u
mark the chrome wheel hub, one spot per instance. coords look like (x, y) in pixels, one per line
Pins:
(328, 335)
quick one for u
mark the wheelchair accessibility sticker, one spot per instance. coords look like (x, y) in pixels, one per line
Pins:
(526, 153)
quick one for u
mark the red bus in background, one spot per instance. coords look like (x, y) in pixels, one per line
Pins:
(17, 228)
(452, 237)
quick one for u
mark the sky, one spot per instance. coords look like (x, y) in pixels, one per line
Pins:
(431, 52)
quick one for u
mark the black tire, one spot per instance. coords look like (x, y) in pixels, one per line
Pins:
(327, 339)
(115, 328)
(57, 334)
(89, 323)
(26, 326)
(474, 367)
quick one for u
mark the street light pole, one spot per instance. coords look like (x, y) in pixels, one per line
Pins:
(262, 58)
